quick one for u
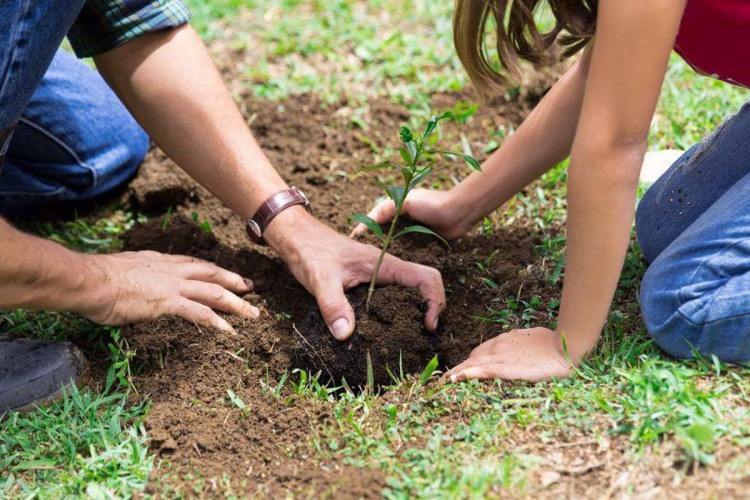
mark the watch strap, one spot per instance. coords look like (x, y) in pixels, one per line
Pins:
(272, 207)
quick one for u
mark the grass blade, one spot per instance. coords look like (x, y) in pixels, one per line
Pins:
(428, 371)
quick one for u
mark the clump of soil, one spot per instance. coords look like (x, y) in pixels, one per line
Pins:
(390, 336)
(159, 187)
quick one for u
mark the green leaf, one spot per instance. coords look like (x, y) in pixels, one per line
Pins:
(38, 464)
(421, 176)
(428, 371)
(411, 146)
(370, 373)
(396, 193)
(406, 155)
(374, 226)
(702, 433)
(423, 230)
(407, 174)
(433, 122)
(378, 166)
(470, 160)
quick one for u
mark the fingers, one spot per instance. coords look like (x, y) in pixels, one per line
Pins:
(427, 280)
(483, 372)
(199, 314)
(217, 297)
(158, 256)
(211, 273)
(382, 213)
(335, 308)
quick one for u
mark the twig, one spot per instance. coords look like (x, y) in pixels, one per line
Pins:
(313, 349)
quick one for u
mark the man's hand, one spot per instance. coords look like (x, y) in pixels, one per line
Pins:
(327, 263)
(139, 286)
(534, 355)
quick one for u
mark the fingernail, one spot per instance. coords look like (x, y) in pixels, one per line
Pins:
(340, 328)
(255, 311)
(435, 325)
(248, 283)
(453, 379)
(228, 328)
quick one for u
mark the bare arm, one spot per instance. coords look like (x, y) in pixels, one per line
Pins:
(634, 41)
(629, 61)
(115, 289)
(169, 83)
(542, 141)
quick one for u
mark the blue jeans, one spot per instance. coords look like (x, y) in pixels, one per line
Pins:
(73, 139)
(693, 225)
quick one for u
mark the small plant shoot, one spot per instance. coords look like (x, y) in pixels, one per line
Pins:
(419, 163)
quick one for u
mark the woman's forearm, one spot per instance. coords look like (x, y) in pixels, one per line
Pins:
(601, 201)
(542, 141)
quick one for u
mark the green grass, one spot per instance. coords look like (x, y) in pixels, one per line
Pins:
(628, 395)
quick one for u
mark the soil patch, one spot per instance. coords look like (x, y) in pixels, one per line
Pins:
(389, 339)
(191, 373)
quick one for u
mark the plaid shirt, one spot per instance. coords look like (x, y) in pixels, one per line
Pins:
(103, 25)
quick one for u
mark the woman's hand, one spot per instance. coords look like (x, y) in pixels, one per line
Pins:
(534, 355)
(432, 208)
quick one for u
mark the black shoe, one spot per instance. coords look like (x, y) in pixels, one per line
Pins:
(34, 372)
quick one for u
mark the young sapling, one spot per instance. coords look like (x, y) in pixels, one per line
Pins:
(419, 163)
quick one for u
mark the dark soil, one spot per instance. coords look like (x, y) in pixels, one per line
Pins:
(390, 336)
(187, 370)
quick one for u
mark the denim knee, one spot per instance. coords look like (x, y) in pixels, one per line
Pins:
(690, 315)
(659, 307)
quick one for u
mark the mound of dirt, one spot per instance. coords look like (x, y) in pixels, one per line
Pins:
(390, 336)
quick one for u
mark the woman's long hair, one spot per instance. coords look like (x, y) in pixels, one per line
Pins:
(518, 36)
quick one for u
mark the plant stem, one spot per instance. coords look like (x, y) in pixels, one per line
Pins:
(389, 237)
(386, 243)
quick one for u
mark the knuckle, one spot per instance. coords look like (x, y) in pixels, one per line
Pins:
(217, 292)
(204, 314)
(212, 270)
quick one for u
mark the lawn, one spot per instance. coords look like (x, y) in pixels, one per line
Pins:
(632, 422)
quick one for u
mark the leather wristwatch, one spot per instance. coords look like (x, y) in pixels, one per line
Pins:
(272, 207)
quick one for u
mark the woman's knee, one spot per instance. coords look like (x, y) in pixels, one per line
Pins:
(659, 300)
(680, 316)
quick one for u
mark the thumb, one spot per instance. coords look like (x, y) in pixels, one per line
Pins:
(336, 310)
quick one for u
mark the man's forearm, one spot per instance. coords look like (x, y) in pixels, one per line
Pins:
(39, 274)
(169, 83)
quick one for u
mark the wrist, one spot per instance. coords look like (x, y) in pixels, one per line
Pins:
(92, 291)
(459, 213)
(286, 232)
(574, 347)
